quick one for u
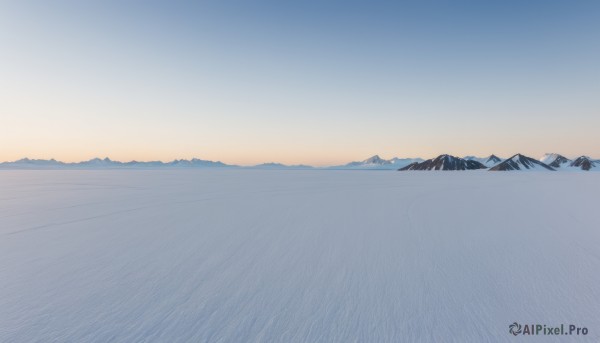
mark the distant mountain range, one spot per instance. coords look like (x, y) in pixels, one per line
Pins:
(548, 162)
(273, 165)
(106, 163)
(376, 162)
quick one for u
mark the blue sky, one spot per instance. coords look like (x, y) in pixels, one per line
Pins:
(298, 82)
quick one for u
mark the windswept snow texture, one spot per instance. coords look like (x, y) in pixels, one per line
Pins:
(295, 256)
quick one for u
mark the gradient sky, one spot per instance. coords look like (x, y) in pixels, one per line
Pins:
(315, 82)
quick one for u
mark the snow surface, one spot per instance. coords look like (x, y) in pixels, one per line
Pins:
(296, 255)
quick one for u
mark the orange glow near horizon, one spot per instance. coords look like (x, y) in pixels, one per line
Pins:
(78, 83)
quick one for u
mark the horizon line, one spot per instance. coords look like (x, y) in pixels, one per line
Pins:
(226, 164)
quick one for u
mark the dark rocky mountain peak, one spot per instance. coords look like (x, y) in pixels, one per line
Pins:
(493, 159)
(584, 163)
(521, 162)
(445, 162)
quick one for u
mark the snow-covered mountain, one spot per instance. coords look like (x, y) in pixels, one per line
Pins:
(402, 162)
(376, 162)
(373, 161)
(445, 162)
(521, 162)
(559, 162)
(555, 160)
(195, 162)
(492, 160)
(585, 163)
(488, 161)
(273, 165)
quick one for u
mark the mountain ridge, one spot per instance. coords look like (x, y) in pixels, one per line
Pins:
(584, 163)
(445, 162)
(521, 162)
(375, 162)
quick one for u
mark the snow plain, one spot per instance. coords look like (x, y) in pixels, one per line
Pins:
(296, 255)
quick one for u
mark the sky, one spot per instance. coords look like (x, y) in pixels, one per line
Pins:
(311, 82)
